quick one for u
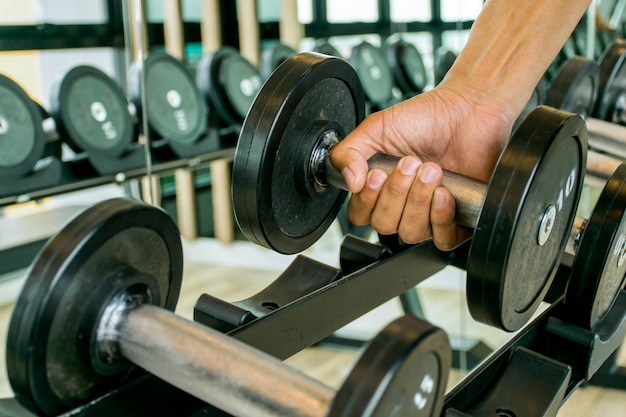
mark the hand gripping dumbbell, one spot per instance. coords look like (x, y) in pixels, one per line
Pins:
(99, 297)
(286, 193)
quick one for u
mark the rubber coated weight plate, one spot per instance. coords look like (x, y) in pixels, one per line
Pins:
(444, 59)
(406, 64)
(175, 107)
(272, 206)
(598, 272)
(374, 72)
(575, 87)
(230, 82)
(322, 46)
(106, 249)
(21, 134)
(403, 372)
(534, 188)
(273, 56)
(91, 112)
(537, 98)
(612, 79)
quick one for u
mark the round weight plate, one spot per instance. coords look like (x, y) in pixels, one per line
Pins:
(526, 218)
(229, 82)
(444, 59)
(322, 46)
(270, 207)
(273, 56)
(575, 87)
(374, 73)
(100, 253)
(406, 64)
(598, 272)
(21, 134)
(91, 112)
(403, 372)
(536, 99)
(612, 79)
(175, 107)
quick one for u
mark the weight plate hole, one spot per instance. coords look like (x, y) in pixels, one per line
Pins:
(270, 306)
(501, 412)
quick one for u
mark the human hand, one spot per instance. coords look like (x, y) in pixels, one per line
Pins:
(439, 129)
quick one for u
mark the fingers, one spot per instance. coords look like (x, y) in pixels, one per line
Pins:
(410, 202)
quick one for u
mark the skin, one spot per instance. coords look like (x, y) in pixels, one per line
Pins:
(462, 125)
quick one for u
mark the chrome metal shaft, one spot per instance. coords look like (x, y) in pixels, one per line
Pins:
(218, 369)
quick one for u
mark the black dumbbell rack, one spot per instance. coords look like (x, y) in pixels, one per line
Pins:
(313, 300)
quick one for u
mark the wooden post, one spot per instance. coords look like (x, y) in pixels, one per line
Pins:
(290, 28)
(210, 26)
(249, 43)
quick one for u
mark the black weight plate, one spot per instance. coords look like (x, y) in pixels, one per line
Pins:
(599, 269)
(91, 112)
(374, 73)
(273, 56)
(406, 64)
(98, 254)
(403, 372)
(21, 134)
(537, 98)
(229, 82)
(323, 46)
(175, 107)
(509, 271)
(444, 59)
(270, 207)
(612, 79)
(575, 86)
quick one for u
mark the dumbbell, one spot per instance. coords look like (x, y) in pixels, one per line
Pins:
(406, 63)
(229, 83)
(22, 138)
(175, 111)
(286, 193)
(323, 46)
(375, 75)
(598, 244)
(273, 56)
(99, 297)
(612, 83)
(444, 59)
(575, 88)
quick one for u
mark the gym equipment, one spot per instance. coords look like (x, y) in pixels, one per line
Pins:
(375, 75)
(24, 166)
(174, 107)
(612, 86)
(229, 83)
(406, 64)
(537, 98)
(444, 59)
(323, 46)
(286, 193)
(98, 298)
(273, 56)
(92, 116)
(575, 88)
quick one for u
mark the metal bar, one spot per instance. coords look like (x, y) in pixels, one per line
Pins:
(218, 369)
(607, 137)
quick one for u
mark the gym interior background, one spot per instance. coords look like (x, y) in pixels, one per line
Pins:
(41, 40)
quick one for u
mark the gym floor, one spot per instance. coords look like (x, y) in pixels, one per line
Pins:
(207, 270)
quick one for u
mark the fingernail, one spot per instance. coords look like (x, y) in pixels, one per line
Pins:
(427, 174)
(409, 166)
(375, 179)
(439, 199)
(348, 176)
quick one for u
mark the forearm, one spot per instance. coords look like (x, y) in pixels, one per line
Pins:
(510, 47)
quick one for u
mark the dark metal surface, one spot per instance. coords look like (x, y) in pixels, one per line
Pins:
(273, 56)
(91, 112)
(509, 270)
(52, 360)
